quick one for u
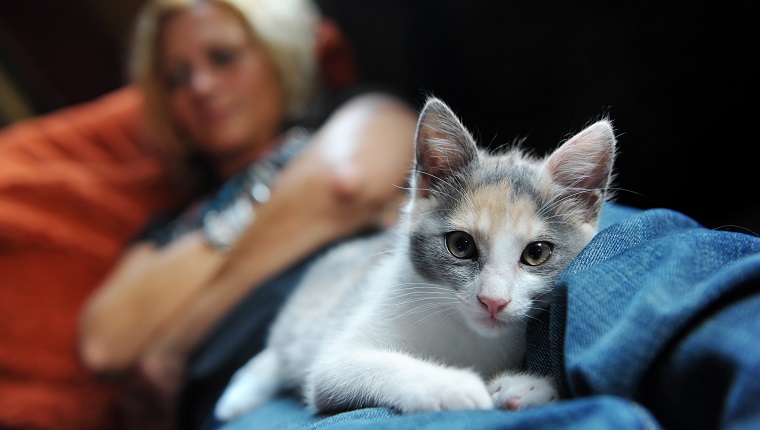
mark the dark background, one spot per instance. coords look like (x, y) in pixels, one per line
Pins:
(679, 81)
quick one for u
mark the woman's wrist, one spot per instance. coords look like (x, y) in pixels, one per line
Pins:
(222, 228)
(222, 225)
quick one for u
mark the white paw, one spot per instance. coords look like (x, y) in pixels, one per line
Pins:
(451, 389)
(241, 396)
(519, 391)
(251, 386)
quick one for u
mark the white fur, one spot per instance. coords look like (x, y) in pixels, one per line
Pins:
(393, 354)
(395, 341)
(381, 334)
(252, 385)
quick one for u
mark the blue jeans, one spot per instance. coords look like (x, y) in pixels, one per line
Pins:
(655, 324)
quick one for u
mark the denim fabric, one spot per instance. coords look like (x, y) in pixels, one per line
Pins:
(655, 324)
(667, 313)
(581, 414)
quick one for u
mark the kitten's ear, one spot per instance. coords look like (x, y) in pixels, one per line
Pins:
(443, 147)
(583, 165)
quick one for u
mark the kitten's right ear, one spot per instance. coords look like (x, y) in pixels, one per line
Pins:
(443, 147)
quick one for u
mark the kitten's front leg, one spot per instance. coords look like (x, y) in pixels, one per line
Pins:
(522, 390)
(371, 377)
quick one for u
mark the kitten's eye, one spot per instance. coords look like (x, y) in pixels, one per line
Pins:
(461, 245)
(536, 253)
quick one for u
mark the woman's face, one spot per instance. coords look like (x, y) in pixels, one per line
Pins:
(223, 90)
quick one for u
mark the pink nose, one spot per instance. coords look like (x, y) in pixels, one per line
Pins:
(493, 306)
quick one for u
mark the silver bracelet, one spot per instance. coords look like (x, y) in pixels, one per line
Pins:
(223, 227)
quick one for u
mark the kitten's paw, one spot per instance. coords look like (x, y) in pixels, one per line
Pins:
(241, 396)
(519, 391)
(251, 386)
(455, 389)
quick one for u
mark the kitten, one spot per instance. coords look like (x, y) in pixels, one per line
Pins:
(432, 315)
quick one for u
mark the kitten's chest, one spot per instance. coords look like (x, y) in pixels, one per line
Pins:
(442, 336)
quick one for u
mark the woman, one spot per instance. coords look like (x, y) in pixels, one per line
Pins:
(222, 80)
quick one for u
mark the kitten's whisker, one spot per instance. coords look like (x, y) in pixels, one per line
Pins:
(424, 294)
(531, 317)
(430, 315)
(559, 199)
(438, 178)
(431, 296)
(422, 284)
(387, 251)
(456, 187)
(423, 287)
(736, 228)
(615, 190)
(435, 301)
(424, 310)
(431, 211)
(542, 301)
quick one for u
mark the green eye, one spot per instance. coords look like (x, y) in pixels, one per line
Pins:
(461, 245)
(536, 253)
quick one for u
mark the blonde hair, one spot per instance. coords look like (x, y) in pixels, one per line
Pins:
(286, 29)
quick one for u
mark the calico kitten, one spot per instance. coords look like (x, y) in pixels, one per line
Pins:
(432, 315)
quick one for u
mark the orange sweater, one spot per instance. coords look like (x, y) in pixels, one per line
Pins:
(75, 186)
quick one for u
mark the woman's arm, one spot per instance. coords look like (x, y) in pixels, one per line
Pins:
(146, 286)
(159, 304)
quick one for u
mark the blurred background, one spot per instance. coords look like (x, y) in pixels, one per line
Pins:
(680, 81)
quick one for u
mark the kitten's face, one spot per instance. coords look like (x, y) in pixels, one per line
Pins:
(497, 230)
(494, 247)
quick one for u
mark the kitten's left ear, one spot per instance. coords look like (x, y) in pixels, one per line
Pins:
(583, 165)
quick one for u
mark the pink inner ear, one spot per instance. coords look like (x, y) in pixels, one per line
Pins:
(585, 161)
(443, 146)
(583, 165)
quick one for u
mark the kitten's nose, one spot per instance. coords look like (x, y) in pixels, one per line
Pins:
(493, 306)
